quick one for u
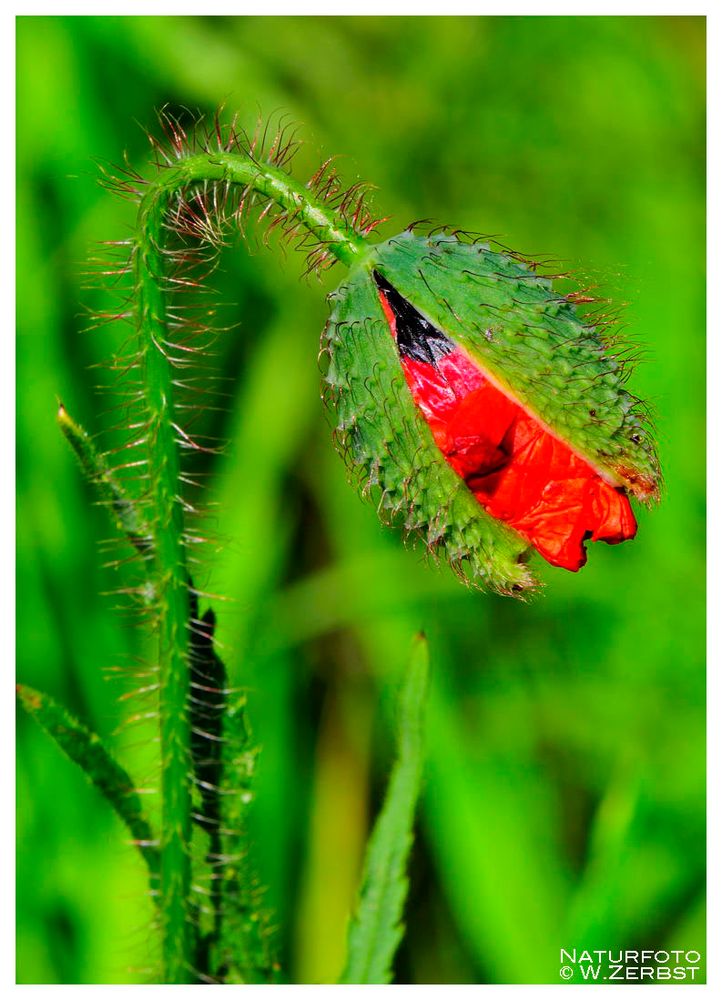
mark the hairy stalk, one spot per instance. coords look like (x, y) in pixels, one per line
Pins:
(222, 171)
(243, 172)
(172, 593)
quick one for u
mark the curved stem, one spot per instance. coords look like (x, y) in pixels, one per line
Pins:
(171, 576)
(242, 171)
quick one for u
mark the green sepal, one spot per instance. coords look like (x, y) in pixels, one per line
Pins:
(534, 344)
(387, 443)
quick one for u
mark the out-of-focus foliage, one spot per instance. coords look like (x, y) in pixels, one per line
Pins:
(564, 797)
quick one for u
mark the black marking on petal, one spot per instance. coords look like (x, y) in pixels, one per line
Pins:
(416, 337)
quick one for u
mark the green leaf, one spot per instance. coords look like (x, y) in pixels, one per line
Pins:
(376, 929)
(87, 750)
(121, 506)
(244, 951)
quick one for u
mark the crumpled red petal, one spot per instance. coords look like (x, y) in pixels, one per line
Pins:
(517, 469)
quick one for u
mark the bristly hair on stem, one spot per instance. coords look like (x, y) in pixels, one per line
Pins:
(323, 218)
(233, 939)
(208, 179)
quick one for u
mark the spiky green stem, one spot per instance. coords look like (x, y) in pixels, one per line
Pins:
(172, 591)
(237, 170)
(171, 577)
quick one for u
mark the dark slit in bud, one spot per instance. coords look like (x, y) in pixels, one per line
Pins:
(416, 337)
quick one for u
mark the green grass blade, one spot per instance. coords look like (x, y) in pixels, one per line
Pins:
(376, 929)
(87, 750)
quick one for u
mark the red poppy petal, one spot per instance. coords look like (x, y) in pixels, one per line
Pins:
(518, 470)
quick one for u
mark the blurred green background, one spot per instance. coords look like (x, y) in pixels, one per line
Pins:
(564, 798)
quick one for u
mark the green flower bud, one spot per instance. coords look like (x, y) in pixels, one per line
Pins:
(481, 408)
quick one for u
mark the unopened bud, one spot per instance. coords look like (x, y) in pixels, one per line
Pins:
(488, 414)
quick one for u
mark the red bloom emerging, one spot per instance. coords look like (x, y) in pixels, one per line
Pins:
(518, 470)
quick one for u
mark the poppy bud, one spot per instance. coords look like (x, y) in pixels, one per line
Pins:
(488, 414)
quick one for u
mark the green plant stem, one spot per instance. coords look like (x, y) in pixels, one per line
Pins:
(171, 576)
(241, 171)
(172, 594)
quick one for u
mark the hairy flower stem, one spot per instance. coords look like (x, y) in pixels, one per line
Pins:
(171, 576)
